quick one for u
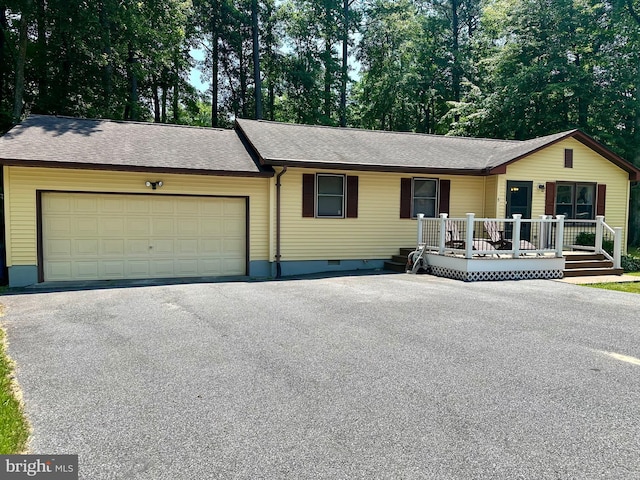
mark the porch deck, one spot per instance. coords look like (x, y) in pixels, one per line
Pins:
(531, 248)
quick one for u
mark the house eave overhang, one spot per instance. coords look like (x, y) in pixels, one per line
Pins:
(281, 162)
(268, 172)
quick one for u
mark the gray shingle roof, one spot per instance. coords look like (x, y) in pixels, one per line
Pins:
(291, 144)
(64, 141)
(288, 143)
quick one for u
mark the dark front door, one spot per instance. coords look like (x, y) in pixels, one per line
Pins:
(519, 201)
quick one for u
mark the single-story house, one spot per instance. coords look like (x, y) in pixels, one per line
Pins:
(101, 199)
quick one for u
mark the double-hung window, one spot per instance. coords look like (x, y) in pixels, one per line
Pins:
(330, 195)
(425, 196)
(575, 200)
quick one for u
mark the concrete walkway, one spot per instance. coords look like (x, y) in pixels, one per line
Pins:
(601, 279)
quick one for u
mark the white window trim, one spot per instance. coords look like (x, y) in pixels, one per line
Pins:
(344, 194)
(413, 195)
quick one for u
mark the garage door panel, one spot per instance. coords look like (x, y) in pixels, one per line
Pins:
(86, 270)
(189, 226)
(211, 267)
(162, 205)
(138, 246)
(111, 226)
(138, 226)
(163, 226)
(187, 246)
(162, 268)
(112, 269)
(233, 208)
(113, 246)
(163, 247)
(58, 248)
(59, 226)
(86, 247)
(187, 268)
(112, 204)
(138, 204)
(137, 269)
(58, 271)
(187, 206)
(59, 205)
(104, 236)
(86, 226)
(85, 204)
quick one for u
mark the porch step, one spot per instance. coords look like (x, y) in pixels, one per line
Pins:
(592, 272)
(398, 263)
(396, 266)
(581, 264)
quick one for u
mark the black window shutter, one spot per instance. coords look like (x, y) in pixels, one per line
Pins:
(352, 196)
(445, 196)
(308, 195)
(550, 199)
(405, 198)
(601, 200)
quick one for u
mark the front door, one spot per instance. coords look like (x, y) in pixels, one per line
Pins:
(519, 201)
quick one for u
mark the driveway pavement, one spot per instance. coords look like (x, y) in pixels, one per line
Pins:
(384, 376)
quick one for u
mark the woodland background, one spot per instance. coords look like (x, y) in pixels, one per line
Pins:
(511, 69)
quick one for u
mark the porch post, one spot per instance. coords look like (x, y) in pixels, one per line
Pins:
(559, 235)
(542, 235)
(468, 252)
(515, 237)
(420, 239)
(617, 247)
(443, 233)
(599, 231)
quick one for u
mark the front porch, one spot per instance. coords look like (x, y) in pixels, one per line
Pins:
(473, 249)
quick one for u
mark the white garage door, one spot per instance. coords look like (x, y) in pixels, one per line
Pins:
(102, 236)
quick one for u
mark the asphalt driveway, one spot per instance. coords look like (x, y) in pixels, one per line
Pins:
(387, 376)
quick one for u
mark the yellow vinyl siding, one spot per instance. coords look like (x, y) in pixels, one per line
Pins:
(378, 231)
(21, 184)
(547, 165)
(490, 196)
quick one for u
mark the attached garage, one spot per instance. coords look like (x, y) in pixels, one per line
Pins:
(90, 236)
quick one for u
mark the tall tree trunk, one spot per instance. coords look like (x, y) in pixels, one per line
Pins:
(176, 99)
(214, 74)
(345, 57)
(20, 64)
(634, 200)
(163, 107)
(327, 61)
(257, 81)
(107, 69)
(156, 100)
(243, 82)
(455, 51)
(272, 100)
(131, 110)
(42, 68)
(4, 67)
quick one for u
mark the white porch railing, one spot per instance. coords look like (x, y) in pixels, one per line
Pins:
(544, 236)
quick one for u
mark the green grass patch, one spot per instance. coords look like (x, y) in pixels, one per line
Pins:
(629, 287)
(14, 429)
